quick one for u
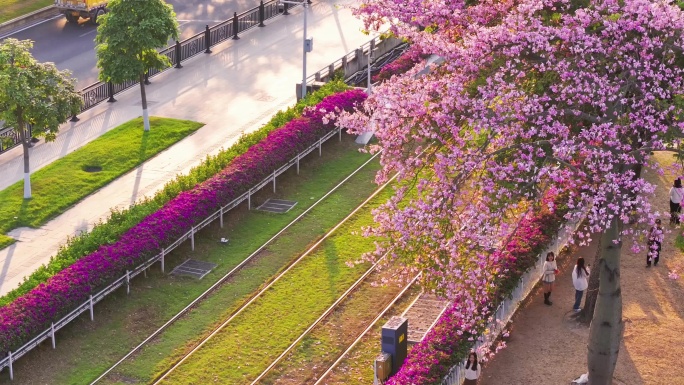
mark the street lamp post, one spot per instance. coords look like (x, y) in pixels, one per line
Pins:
(370, 59)
(307, 44)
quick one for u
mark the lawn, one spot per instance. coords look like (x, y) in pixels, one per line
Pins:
(328, 340)
(85, 349)
(10, 9)
(64, 182)
(244, 348)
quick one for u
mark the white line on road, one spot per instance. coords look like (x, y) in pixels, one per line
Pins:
(30, 26)
(88, 33)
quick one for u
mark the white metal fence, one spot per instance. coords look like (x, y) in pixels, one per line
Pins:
(125, 279)
(509, 306)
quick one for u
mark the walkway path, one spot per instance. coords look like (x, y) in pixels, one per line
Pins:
(235, 89)
(548, 348)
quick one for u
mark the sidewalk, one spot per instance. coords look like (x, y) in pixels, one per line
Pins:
(547, 347)
(235, 89)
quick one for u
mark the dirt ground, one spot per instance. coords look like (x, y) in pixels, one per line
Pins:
(547, 347)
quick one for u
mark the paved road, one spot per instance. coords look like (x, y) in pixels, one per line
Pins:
(72, 46)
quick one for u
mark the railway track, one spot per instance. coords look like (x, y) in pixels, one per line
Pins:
(236, 269)
(163, 375)
(327, 313)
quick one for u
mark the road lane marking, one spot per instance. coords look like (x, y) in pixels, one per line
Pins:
(88, 33)
(30, 26)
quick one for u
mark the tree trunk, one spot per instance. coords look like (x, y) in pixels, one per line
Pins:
(146, 116)
(587, 313)
(606, 328)
(25, 146)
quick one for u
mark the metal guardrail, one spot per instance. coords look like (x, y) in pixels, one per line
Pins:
(179, 52)
(12, 356)
(327, 73)
(509, 306)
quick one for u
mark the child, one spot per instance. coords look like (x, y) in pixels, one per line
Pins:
(655, 244)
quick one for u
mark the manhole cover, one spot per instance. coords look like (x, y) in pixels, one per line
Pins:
(92, 168)
(277, 206)
(194, 268)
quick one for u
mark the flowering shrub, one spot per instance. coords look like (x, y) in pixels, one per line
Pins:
(403, 63)
(32, 312)
(447, 344)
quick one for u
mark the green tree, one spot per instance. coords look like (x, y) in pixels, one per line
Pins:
(33, 93)
(128, 38)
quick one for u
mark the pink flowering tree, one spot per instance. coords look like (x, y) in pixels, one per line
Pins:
(533, 95)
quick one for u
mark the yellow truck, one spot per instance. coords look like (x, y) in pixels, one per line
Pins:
(87, 9)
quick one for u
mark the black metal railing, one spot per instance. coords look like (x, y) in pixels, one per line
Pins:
(97, 93)
(9, 137)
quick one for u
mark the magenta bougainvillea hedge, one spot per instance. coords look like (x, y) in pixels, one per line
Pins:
(34, 311)
(446, 344)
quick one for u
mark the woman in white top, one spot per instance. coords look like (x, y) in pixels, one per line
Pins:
(472, 370)
(676, 195)
(549, 276)
(580, 275)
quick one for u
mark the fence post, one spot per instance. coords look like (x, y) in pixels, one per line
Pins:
(145, 273)
(110, 88)
(10, 366)
(320, 141)
(297, 163)
(285, 9)
(192, 238)
(221, 217)
(52, 334)
(178, 55)
(128, 282)
(92, 314)
(339, 133)
(162, 260)
(274, 183)
(235, 26)
(261, 14)
(207, 39)
(249, 200)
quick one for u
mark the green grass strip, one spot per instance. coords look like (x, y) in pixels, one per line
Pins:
(64, 182)
(327, 341)
(10, 9)
(88, 348)
(121, 221)
(244, 348)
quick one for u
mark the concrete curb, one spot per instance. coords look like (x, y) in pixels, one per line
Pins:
(43, 13)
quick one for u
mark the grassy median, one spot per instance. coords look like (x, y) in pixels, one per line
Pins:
(85, 349)
(10, 9)
(244, 348)
(64, 182)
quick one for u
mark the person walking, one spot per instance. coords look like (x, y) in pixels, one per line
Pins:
(549, 276)
(472, 370)
(655, 244)
(676, 195)
(580, 275)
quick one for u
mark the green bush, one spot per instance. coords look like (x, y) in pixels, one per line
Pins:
(120, 221)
